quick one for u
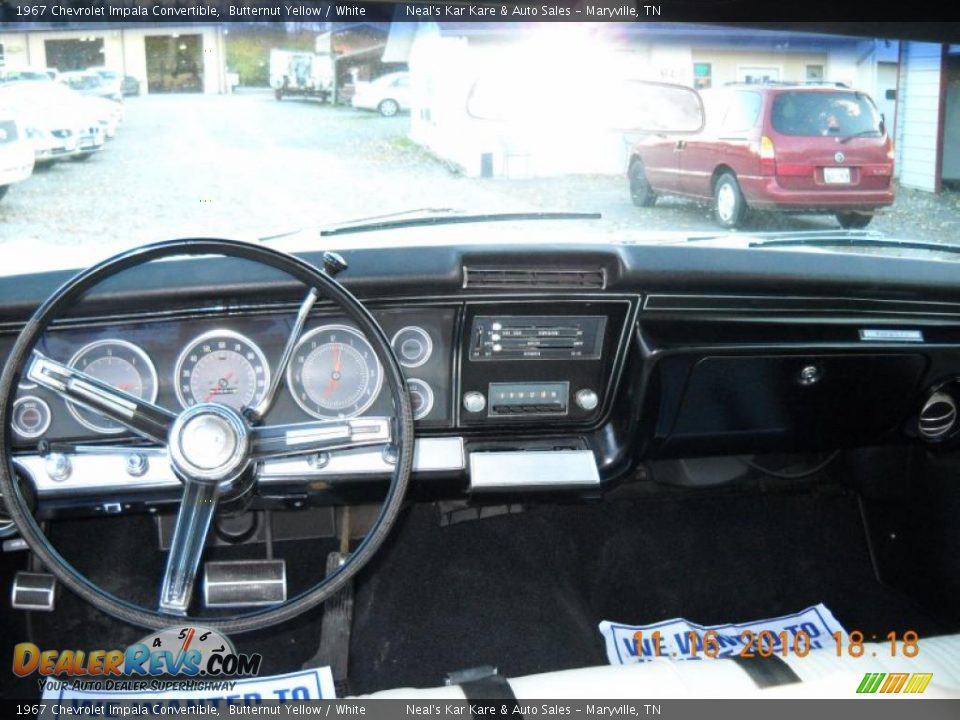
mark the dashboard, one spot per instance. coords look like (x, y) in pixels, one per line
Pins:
(531, 369)
(231, 359)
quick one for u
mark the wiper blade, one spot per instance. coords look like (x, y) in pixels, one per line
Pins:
(862, 133)
(854, 240)
(388, 224)
(357, 221)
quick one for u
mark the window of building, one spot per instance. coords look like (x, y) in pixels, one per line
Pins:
(814, 73)
(702, 75)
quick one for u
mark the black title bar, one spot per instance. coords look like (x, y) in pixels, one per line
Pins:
(863, 17)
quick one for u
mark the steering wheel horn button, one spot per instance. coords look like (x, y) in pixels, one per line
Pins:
(209, 442)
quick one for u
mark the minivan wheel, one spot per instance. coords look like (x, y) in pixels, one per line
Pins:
(640, 191)
(853, 220)
(388, 108)
(729, 207)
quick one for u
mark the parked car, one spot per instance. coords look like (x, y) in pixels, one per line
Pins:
(92, 84)
(111, 82)
(28, 73)
(388, 94)
(16, 152)
(59, 122)
(791, 148)
(130, 86)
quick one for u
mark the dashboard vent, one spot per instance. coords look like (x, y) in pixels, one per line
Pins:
(538, 278)
(938, 416)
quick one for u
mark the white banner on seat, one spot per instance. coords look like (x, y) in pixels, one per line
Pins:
(680, 639)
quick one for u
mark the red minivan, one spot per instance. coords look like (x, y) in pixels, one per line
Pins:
(792, 148)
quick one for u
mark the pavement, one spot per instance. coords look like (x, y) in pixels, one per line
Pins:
(248, 166)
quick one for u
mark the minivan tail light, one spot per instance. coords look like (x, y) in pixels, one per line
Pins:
(768, 157)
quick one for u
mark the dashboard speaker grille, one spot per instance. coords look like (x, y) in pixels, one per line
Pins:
(540, 278)
(938, 416)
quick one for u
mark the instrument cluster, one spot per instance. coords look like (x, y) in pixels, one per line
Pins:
(333, 371)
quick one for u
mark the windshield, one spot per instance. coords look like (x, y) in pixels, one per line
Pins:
(275, 131)
(825, 113)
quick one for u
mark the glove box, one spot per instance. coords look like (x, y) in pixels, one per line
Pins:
(736, 403)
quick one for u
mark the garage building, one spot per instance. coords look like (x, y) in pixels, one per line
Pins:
(164, 58)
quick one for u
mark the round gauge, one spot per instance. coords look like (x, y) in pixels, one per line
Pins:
(412, 345)
(334, 372)
(224, 367)
(421, 397)
(31, 416)
(120, 364)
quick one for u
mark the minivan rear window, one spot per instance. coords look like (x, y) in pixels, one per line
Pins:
(835, 114)
(743, 112)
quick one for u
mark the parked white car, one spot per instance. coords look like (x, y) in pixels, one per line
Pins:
(388, 94)
(59, 122)
(16, 152)
(27, 73)
(112, 82)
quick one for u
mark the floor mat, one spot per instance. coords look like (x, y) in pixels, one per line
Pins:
(525, 592)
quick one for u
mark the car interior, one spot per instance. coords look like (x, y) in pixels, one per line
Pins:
(418, 449)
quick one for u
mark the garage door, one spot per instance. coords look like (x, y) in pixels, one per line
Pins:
(918, 142)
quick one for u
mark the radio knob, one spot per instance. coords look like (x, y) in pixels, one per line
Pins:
(474, 401)
(587, 399)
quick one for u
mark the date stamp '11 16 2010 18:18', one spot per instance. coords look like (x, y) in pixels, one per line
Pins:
(765, 643)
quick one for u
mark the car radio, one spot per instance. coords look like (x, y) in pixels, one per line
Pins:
(509, 372)
(545, 398)
(537, 337)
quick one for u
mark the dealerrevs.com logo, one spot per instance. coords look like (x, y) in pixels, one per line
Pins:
(181, 651)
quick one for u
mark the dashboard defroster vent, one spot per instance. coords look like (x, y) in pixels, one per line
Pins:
(486, 278)
(938, 416)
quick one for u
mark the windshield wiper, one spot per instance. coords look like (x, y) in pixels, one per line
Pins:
(862, 133)
(455, 219)
(866, 239)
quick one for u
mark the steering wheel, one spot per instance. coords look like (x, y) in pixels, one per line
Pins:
(214, 450)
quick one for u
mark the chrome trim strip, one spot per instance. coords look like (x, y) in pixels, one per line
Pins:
(533, 470)
(100, 470)
(891, 335)
(429, 455)
(923, 307)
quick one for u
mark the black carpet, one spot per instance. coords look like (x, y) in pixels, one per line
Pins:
(525, 592)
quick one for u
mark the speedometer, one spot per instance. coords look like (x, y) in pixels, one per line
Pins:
(334, 372)
(118, 363)
(222, 366)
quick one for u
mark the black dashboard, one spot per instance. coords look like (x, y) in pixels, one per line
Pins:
(548, 369)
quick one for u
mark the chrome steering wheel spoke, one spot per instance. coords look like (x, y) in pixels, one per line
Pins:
(137, 415)
(197, 508)
(320, 436)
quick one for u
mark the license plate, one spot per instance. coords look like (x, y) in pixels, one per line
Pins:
(836, 175)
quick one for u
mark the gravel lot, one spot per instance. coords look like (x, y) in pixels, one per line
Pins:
(246, 166)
